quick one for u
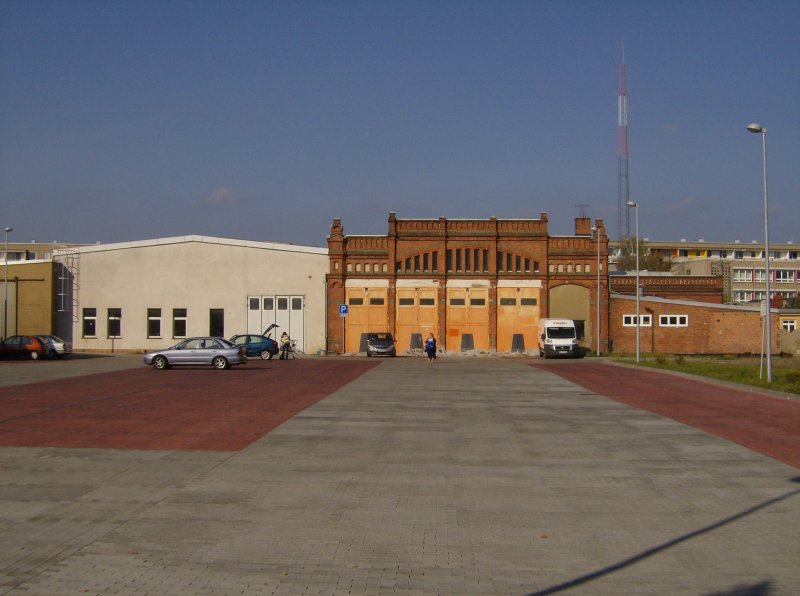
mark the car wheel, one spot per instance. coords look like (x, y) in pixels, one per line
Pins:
(265, 355)
(271, 354)
(160, 362)
(220, 363)
(35, 355)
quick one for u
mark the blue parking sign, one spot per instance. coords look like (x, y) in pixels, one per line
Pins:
(343, 309)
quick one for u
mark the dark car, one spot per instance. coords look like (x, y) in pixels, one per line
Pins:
(380, 344)
(28, 346)
(256, 345)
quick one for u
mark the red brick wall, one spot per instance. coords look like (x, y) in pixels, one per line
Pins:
(702, 288)
(709, 331)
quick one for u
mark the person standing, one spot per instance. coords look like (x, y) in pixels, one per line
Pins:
(430, 348)
(285, 342)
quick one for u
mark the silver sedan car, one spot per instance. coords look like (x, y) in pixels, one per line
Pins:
(214, 351)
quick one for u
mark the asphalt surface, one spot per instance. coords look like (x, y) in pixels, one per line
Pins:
(356, 476)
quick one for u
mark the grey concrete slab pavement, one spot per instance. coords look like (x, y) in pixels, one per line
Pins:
(471, 476)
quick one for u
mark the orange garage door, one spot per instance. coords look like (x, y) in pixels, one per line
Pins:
(367, 312)
(517, 315)
(467, 319)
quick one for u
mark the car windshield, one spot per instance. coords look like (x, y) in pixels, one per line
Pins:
(560, 332)
(380, 337)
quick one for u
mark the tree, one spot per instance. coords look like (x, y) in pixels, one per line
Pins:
(647, 261)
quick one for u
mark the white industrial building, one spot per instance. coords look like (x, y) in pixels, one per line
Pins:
(143, 295)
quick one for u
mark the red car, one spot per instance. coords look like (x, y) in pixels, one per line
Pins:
(23, 346)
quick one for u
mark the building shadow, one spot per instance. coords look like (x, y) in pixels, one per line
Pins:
(758, 589)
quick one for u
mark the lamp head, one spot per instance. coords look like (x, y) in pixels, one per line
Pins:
(632, 204)
(9, 230)
(753, 127)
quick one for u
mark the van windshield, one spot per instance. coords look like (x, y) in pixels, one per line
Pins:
(561, 332)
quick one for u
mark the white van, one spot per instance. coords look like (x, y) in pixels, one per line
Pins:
(558, 337)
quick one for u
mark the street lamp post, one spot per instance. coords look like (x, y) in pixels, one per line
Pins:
(5, 288)
(633, 205)
(596, 230)
(758, 129)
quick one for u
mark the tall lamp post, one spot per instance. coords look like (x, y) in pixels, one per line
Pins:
(758, 129)
(633, 205)
(596, 230)
(5, 287)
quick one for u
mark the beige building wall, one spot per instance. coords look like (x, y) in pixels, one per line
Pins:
(195, 273)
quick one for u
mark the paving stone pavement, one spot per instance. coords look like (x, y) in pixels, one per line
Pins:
(471, 476)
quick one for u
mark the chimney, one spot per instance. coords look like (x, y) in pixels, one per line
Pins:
(583, 226)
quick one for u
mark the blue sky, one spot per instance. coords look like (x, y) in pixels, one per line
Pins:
(264, 120)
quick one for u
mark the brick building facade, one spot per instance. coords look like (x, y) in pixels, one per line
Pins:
(702, 288)
(474, 284)
(686, 327)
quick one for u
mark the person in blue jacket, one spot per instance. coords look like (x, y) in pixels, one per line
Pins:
(430, 348)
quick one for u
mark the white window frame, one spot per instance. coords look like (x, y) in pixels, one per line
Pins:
(742, 275)
(109, 318)
(742, 296)
(789, 325)
(87, 317)
(672, 320)
(184, 318)
(761, 276)
(153, 317)
(784, 276)
(630, 320)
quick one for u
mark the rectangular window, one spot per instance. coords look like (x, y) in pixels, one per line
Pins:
(784, 276)
(416, 263)
(457, 302)
(283, 304)
(761, 275)
(477, 301)
(216, 322)
(793, 255)
(269, 303)
(405, 301)
(408, 264)
(254, 303)
(630, 321)
(376, 301)
(789, 325)
(476, 260)
(355, 301)
(178, 322)
(435, 259)
(467, 259)
(89, 322)
(458, 259)
(425, 262)
(153, 322)
(500, 261)
(427, 302)
(509, 258)
(114, 322)
(527, 265)
(485, 260)
(508, 301)
(449, 259)
(742, 275)
(673, 320)
(297, 304)
(518, 263)
(527, 301)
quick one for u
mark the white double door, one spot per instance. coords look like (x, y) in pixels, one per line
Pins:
(288, 312)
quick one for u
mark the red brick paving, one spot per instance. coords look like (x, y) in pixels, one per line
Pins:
(766, 424)
(177, 409)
